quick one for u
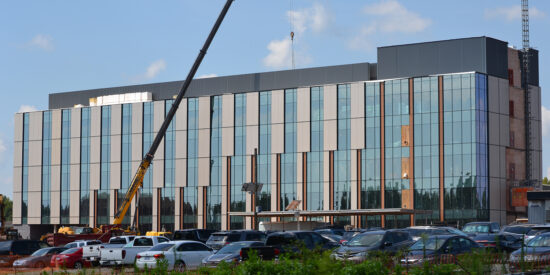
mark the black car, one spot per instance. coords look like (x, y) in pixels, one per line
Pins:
(517, 229)
(499, 242)
(199, 235)
(537, 252)
(220, 239)
(229, 253)
(474, 228)
(438, 249)
(293, 240)
(358, 248)
(15, 249)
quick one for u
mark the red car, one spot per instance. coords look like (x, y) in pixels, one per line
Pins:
(70, 258)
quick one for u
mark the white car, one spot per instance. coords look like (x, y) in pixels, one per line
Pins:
(179, 255)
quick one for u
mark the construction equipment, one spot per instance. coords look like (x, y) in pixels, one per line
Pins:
(137, 181)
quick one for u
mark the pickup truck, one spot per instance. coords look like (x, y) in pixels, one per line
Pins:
(92, 253)
(126, 255)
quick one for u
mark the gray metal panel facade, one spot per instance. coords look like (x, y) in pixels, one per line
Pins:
(480, 54)
(226, 84)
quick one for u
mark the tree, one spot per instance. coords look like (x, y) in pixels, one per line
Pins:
(8, 206)
(545, 181)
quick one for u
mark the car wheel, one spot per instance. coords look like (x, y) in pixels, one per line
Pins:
(78, 265)
(39, 265)
(179, 266)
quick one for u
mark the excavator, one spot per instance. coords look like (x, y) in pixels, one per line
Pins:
(115, 229)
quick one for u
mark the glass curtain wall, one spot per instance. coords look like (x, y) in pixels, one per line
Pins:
(315, 175)
(342, 156)
(126, 174)
(288, 158)
(214, 192)
(426, 148)
(25, 172)
(145, 208)
(238, 163)
(465, 147)
(85, 166)
(264, 152)
(46, 166)
(370, 156)
(103, 196)
(189, 214)
(167, 204)
(396, 111)
(65, 166)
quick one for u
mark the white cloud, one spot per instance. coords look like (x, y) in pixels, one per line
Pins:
(396, 18)
(279, 54)
(207, 75)
(155, 68)
(387, 16)
(512, 13)
(316, 18)
(42, 41)
(151, 72)
(545, 116)
(27, 108)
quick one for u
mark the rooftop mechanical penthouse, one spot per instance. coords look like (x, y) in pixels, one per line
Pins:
(437, 126)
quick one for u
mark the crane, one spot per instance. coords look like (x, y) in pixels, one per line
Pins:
(137, 180)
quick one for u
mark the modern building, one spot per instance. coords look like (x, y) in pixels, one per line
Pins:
(438, 126)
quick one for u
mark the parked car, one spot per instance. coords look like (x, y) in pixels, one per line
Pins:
(537, 252)
(474, 228)
(82, 243)
(220, 239)
(70, 258)
(417, 231)
(438, 249)
(499, 242)
(288, 241)
(39, 259)
(179, 255)
(199, 235)
(535, 231)
(229, 253)
(517, 229)
(15, 249)
(92, 253)
(126, 255)
(358, 248)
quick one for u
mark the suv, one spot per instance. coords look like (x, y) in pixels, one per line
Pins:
(287, 240)
(200, 235)
(358, 248)
(220, 239)
(13, 250)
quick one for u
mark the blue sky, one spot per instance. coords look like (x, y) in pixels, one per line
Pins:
(58, 46)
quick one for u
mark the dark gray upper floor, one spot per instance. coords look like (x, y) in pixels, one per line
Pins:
(480, 54)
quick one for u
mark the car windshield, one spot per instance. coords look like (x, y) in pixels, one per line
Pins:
(540, 241)
(117, 241)
(282, 239)
(218, 237)
(162, 247)
(5, 245)
(350, 234)
(429, 244)
(476, 228)
(456, 231)
(70, 251)
(232, 248)
(536, 231)
(517, 229)
(366, 240)
(41, 252)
